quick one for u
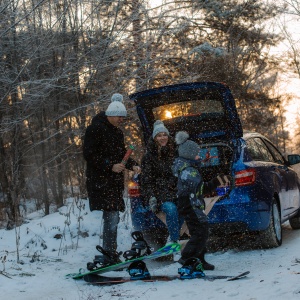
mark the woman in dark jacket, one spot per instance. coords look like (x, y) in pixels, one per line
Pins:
(158, 184)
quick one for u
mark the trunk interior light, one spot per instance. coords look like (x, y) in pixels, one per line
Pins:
(168, 114)
(245, 177)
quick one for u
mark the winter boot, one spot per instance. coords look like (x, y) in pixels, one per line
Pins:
(181, 261)
(205, 264)
(170, 241)
(192, 268)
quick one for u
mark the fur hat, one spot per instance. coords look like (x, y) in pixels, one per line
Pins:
(116, 108)
(187, 148)
(159, 127)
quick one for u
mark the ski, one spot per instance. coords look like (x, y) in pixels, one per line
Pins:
(106, 280)
(164, 251)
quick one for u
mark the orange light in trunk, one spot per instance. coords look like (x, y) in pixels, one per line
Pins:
(133, 189)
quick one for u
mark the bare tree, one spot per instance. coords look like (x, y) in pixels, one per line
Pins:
(291, 60)
(62, 60)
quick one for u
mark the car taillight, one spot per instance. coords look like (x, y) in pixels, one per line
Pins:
(245, 177)
(133, 189)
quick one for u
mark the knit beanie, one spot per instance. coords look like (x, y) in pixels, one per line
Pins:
(116, 108)
(187, 148)
(159, 127)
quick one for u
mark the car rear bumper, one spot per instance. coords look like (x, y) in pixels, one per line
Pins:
(235, 214)
(239, 213)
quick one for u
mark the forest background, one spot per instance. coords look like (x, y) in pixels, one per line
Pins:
(61, 60)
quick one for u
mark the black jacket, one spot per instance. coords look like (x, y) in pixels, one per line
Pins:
(102, 148)
(157, 179)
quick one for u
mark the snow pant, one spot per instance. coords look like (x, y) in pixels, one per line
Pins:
(197, 224)
(173, 220)
(110, 230)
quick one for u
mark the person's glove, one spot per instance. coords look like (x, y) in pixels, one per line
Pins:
(224, 179)
(221, 180)
(153, 204)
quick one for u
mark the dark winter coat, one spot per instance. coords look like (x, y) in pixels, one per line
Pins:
(157, 179)
(103, 147)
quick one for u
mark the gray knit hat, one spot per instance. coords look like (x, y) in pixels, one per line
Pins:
(159, 127)
(116, 108)
(187, 148)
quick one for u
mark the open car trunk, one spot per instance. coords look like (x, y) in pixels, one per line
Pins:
(215, 158)
(206, 110)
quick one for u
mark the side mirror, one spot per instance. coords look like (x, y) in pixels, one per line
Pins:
(294, 159)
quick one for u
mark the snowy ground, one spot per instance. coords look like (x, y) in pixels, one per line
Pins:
(45, 260)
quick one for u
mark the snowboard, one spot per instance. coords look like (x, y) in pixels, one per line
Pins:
(164, 251)
(106, 280)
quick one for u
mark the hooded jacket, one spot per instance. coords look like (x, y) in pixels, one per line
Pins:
(102, 148)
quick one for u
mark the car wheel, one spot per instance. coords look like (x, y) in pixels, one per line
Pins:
(295, 221)
(272, 236)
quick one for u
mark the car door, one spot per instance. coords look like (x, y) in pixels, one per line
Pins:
(291, 177)
(277, 168)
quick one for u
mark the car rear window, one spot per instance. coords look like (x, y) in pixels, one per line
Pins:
(258, 150)
(187, 108)
(267, 156)
(253, 149)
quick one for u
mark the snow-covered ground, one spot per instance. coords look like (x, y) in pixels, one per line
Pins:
(46, 259)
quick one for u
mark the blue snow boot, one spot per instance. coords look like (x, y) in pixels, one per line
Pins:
(192, 268)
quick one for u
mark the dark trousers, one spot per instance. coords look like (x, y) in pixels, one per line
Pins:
(197, 224)
(110, 230)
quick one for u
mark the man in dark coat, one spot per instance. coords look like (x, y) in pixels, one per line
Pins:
(103, 150)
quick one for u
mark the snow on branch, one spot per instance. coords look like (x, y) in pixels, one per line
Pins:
(207, 49)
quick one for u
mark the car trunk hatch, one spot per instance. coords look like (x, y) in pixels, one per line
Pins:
(206, 110)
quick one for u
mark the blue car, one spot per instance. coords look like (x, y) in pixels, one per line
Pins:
(265, 191)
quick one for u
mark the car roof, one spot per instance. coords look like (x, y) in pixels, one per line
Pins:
(252, 134)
